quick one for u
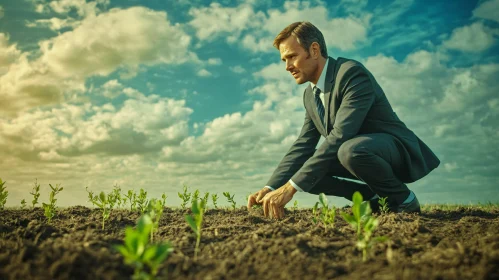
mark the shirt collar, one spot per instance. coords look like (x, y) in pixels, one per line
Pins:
(322, 78)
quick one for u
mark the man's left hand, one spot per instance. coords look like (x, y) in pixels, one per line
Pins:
(274, 202)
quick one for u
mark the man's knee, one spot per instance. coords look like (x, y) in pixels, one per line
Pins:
(349, 152)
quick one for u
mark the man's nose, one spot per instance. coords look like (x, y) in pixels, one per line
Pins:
(289, 66)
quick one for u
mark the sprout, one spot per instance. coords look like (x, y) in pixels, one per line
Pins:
(230, 199)
(326, 215)
(103, 203)
(163, 199)
(3, 194)
(50, 208)
(185, 196)
(142, 201)
(155, 211)
(363, 223)
(23, 203)
(195, 221)
(36, 194)
(132, 198)
(138, 252)
(295, 205)
(214, 197)
(384, 205)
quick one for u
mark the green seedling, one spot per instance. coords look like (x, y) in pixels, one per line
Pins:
(3, 194)
(230, 199)
(295, 205)
(205, 200)
(142, 201)
(138, 252)
(35, 193)
(185, 196)
(364, 224)
(50, 208)
(91, 197)
(102, 201)
(132, 198)
(23, 203)
(155, 211)
(195, 196)
(195, 221)
(326, 215)
(384, 205)
(163, 199)
(115, 197)
(214, 198)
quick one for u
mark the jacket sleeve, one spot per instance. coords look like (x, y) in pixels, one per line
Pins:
(357, 96)
(301, 150)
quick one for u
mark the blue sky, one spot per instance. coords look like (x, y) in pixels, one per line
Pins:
(158, 94)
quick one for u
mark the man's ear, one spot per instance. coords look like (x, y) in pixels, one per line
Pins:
(315, 50)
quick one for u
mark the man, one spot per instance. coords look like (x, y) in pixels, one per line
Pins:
(364, 139)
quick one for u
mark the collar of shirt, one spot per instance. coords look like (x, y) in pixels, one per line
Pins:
(322, 79)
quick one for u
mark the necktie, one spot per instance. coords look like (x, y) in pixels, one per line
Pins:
(318, 101)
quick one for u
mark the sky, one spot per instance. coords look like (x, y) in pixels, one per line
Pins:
(160, 94)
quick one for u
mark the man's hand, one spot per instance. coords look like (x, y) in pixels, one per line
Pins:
(257, 197)
(274, 202)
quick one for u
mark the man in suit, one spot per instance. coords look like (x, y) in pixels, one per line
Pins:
(364, 139)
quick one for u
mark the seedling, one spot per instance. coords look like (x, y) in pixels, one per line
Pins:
(132, 198)
(364, 224)
(103, 203)
(50, 208)
(154, 210)
(384, 205)
(195, 196)
(195, 221)
(142, 201)
(295, 205)
(23, 204)
(138, 252)
(205, 200)
(163, 199)
(214, 198)
(35, 193)
(326, 215)
(3, 194)
(185, 196)
(115, 197)
(230, 199)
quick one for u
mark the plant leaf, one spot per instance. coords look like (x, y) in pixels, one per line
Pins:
(191, 223)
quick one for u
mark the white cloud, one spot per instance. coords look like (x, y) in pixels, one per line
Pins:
(487, 10)
(204, 73)
(472, 38)
(54, 23)
(63, 7)
(8, 53)
(255, 31)
(118, 39)
(237, 69)
(215, 61)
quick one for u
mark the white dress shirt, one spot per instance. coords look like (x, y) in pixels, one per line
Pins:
(321, 83)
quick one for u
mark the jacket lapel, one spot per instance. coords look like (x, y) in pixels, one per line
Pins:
(329, 81)
(315, 116)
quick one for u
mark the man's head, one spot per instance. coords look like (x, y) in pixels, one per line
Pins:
(303, 49)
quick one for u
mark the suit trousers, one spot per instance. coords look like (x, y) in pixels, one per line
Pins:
(375, 159)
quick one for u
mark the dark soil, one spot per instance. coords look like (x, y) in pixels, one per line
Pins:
(460, 244)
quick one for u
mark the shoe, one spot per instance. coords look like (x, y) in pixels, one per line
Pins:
(411, 207)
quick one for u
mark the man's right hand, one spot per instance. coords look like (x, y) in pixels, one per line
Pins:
(257, 197)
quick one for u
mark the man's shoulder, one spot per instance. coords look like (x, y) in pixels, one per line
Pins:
(346, 65)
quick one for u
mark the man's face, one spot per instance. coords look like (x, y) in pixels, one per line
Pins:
(298, 61)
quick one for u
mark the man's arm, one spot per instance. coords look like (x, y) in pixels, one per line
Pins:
(357, 97)
(301, 150)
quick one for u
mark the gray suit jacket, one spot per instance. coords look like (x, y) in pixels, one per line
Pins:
(354, 104)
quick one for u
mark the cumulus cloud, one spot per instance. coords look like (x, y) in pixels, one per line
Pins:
(139, 126)
(54, 23)
(487, 10)
(83, 8)
(472, 38)
(255, 31)
(204, 73)
(214, 61)
(8, 53)
(118, 39)
(237, 69)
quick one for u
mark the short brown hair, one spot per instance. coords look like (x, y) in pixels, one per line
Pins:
(306, 33)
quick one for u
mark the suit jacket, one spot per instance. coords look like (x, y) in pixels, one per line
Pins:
(354, 104)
